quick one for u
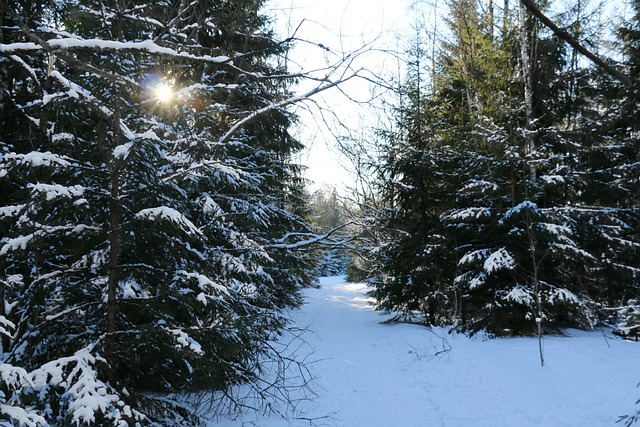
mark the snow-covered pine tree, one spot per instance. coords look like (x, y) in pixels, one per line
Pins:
(520, 246)
(410, 257)
(531, 262)
(614, 167)
(549, 147)
(141, 243)
(531, 268)
(445, 158)
(327, 215)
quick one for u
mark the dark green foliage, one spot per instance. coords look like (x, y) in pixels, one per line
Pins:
(495, 219)
(527, 255)
(141, 239)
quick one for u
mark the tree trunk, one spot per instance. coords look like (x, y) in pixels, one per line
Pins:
(114, 227)
(535, 265)
(505, 20)
(513, 182)
(491, 22)
(115, 247)
(536, 290)
(525, 60)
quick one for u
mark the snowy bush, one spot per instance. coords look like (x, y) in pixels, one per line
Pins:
(629, 320)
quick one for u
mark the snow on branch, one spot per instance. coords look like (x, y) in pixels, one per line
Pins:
(466, 214)
(208, 287)
(185, 341)
(75, 91)
(86, 397)
(17, 243)
(491, 260)
(499, 260)
(525, 206)
(561, 295)
(520, 295)
(312, 239)
(22, 416)
(10, 211)
(55, 191)
(474, 256)
(37, 158)
(6, 326)
(165, 213)
(69, 43)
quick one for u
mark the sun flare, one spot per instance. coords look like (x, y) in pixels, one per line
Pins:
(164, 93)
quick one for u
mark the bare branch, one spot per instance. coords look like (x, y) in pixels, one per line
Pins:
(564, 35)
(285, 102)
(314, 238)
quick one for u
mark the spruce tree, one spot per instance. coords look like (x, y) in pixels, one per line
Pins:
(142, 239)
(409, 259)
(614, 167)
(495, 171)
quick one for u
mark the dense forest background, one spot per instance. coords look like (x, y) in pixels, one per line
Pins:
(505, 195)
(150, 246)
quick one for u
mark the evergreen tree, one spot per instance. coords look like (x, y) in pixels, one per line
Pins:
(490, 165)
(614, 167)
(410, 256)
(142, 247)
(327, 216)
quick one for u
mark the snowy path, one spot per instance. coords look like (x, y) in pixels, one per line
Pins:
(376, 375)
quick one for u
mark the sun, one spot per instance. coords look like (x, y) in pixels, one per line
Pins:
(163, 93)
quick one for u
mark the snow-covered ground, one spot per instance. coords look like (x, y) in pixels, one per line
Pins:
(375, 375)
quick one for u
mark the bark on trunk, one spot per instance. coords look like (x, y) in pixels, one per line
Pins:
(535, 264)
(491, 20)
(114, 227)
(115, 245)
(525, 59)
